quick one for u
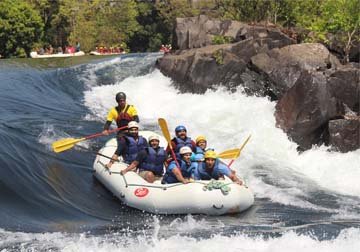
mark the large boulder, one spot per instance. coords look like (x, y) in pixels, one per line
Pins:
(344, 135)
(196, 32)
(344, 85)
(283, 66)
(305, 109)
(196, 70)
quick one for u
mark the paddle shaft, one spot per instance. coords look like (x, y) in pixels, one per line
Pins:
(101, 133)
(242, 147)
(166, 133)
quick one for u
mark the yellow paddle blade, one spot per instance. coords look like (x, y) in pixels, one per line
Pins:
(229, 154)
(165, 130)
(65, 144)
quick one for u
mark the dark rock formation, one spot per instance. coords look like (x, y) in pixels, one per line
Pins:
(304, 111)
(344, 85)
(199, 31)
(313, 89)
(282, 67)
(344, 135)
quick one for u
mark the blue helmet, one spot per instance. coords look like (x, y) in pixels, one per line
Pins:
(179, 128)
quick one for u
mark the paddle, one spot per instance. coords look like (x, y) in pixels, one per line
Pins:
(229, 154)
(238, 153)
(68, 143)
(166, 133)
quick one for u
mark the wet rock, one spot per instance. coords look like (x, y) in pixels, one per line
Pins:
(283, 66)
(344, 135)
(305, 109)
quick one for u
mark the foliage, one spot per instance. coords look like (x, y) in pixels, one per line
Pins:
(219, 39)
(20, 27)
(340, 17)
(145, 25)
(219, 56)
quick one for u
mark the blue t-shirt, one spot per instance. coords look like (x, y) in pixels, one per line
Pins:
(186, 169)
(220, 169)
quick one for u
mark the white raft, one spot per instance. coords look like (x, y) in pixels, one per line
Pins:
(35, 55)
(192, 198)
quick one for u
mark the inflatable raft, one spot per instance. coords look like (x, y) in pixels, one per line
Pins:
(35, 55)
(198, 197)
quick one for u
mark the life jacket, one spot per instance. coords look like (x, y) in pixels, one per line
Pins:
(181, 143)
(198, 155)
(123, 117)
(154, 161)
(133, 147)
(186, 171)
(215, 174)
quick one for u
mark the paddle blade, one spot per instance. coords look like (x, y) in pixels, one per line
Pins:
(65, 144)
(229, 154)
(165, 130)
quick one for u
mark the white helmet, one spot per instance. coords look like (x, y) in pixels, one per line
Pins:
(133, 124)
(153, 137)
(185, 149)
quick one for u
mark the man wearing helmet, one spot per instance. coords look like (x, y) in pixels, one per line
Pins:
(180, 140)
(180, 170)
(129, 144)
(200, 149)
(212, 168)
(150, 161)
(122, 114)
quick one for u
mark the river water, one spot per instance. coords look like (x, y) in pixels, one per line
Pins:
(52, 202)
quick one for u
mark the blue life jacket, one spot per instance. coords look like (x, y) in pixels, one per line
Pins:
(204, 175)
(154, 161)
(186, 171)
(181, 143)
(198, 155)
(133, 148)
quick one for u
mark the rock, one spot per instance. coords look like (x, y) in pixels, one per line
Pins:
(196, 32)
(305, 109)
(344, 84)
(196, 70)
(344, 135)
(283, 66)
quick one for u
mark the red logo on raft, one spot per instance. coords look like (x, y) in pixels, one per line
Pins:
(141, 192)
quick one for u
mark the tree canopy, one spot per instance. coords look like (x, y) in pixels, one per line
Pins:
(139, 25)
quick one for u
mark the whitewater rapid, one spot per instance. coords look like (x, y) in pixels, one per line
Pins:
(226, 119)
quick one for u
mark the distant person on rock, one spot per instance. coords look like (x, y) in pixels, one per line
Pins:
(150, 161)
(122, 114)
(77, 46)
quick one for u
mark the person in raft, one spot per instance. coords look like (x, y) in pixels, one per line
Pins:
(201, 144)
(183, 173)
(212, 168)
(129, 145)
(123, 113)
(180, 140)
(150, 161)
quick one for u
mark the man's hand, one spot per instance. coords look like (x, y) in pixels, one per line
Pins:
(105, 132)
(108, 165)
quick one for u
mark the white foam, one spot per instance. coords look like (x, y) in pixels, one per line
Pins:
(347, 240)
(227, 119)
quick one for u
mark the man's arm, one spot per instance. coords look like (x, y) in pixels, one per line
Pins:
(225, 170)
(131, 167)
(110, 117)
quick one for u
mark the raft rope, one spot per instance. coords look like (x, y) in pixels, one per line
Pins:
(215, 184)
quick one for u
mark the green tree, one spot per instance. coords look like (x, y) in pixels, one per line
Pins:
(20, 28)
(340, 17)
